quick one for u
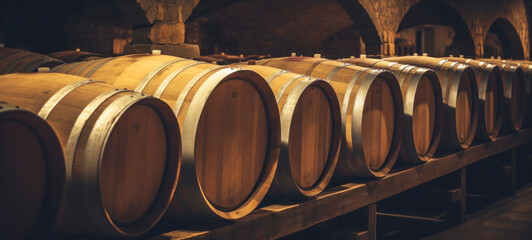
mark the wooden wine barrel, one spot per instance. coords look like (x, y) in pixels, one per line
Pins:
(75, 56)
(32, 174)
(15, 60)
(311, 129)
(526, 66)
(122, 150)
(230, 128)
(372, 113)
(423, 106)
(460, 94)
(514, 94)
(490, 96)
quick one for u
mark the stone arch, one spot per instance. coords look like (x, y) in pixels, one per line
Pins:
(508, 40)
(366, 24)
(276, 27)
(441, 13)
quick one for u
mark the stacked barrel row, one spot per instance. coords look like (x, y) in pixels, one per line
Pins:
(283, 126)
(16, 60)
(120, 155)
(231, 136)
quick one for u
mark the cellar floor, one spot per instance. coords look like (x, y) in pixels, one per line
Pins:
(509, 218)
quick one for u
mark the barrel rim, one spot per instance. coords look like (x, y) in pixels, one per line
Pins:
(45, 62)
(13, 51)
(39, 60)
(19, 56)
(410, 93)
(460, 70)
(84, 65)
(65, 68)
(356, 123)
(55, 166)
(92, 163)
(350, 149)
(521, 78)
(285, 176)
(496, 71)
(284, 179)
(189, 183)
(450, 80)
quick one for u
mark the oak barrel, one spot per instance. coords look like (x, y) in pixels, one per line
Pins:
(75, 56)
(122, 150)
(460, 94)
(230, 128)
(32, 174)
(490, 96)
(16, 60)
(372, 113)
(311, 129)
(423, 106)
(514, 94)
(526, 66)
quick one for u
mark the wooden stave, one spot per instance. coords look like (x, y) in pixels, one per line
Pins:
(408, 78)
(82, 186)
(15, 60)
(450, 75)
(284, 183)
(153, 81)
(352, 163)
(510, 74)
(55, 165)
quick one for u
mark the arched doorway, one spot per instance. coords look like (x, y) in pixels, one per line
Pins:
(436, 28)
(502, 40)
(363, 25)
(332, 28)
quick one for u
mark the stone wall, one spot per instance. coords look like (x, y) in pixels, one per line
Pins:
(254, 26)
(58, 25)
(377, 21)
(478, 15)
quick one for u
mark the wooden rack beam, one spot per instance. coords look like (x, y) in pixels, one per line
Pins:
(279, 220)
